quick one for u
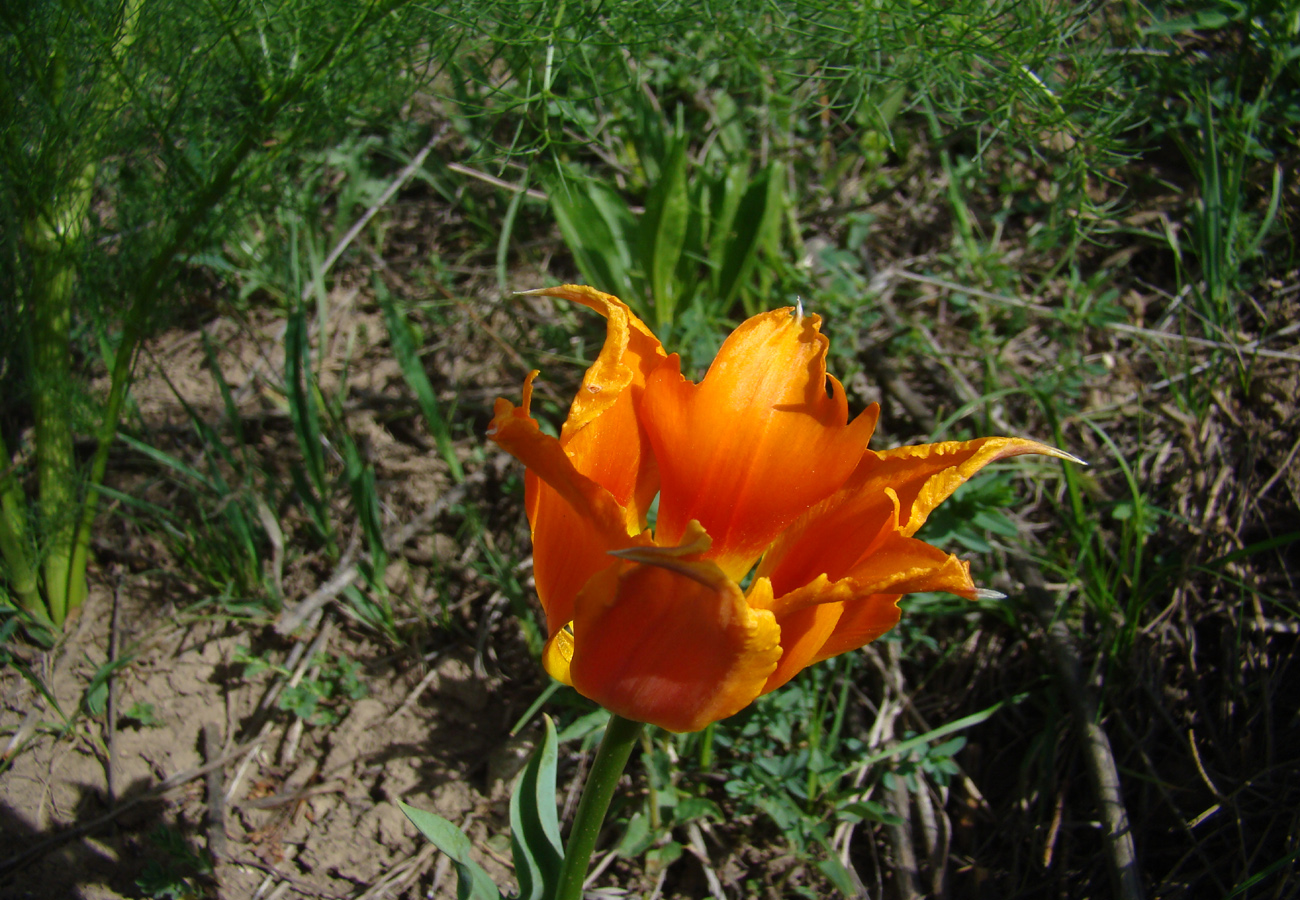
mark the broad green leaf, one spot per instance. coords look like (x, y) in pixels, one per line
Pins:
(663, 233)
(598, 230)
(473, 883)
(534, 826)
(756, 219)
(637, 838)
(696, 808)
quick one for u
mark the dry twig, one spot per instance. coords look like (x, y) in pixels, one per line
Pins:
(1100, 759)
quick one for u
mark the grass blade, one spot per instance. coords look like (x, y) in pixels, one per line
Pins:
(408, 357)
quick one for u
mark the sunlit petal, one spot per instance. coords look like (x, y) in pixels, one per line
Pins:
(575, 521)
(757, 442)
(925, 475)
(891, 491)
(602, 432)
(679, 650)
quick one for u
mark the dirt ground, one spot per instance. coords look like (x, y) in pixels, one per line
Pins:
(278, 802)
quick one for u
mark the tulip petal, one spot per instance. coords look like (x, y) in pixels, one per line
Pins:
(630, 353)
(862, 621)
(890, 491)
(807, 617)
(925, 475)
(601, 432)
(903, 565)
(558, 656)
(675, 650)
(826, 618)
(575, 521)
(757, 442)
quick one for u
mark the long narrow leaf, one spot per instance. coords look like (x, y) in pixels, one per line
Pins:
(408, 357)
(922, 739)
(598, 230)
(302, 409)
(756, 218)
(663, 233)
(473, 882)
(534, 826)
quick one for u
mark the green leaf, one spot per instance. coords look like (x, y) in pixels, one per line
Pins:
(755, 220)
(1201, 20)
(302, 406)
(868, 810)
(839, 876)
(95, 699)
(534, 826)
(473, 883)
(588, 724)
(657, 858)
(408, 357)
(663, 233)
(696, 808)
(728, 190)
(598, 229)
(637, 838)
(961, 724)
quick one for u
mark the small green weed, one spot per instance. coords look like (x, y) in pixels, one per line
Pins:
(177, 874)
(321, 696)
(143, 715)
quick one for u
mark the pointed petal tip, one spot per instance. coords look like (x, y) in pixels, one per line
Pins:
(1062, 454)
(989, 594)
(1019, 446)
(565, 292)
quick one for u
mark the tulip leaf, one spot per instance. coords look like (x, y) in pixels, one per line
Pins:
(728, 191)
(755, 220)
(663, 232)
(472, 882)
(534, 825)
(598, 228)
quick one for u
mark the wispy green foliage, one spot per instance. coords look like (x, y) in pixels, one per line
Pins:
(123, 150)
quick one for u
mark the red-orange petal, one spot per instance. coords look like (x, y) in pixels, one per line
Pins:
(863, 620)
(924, 475)
(825, 618)
(757, 442)
(575, 521)
(673, 648)
(890, 491)
(602, 432)
(807, 620)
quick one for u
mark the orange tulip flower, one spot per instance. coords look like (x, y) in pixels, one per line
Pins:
(756, 464)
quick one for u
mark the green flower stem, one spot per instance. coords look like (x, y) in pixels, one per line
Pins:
(620, 737)
(706, 747)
